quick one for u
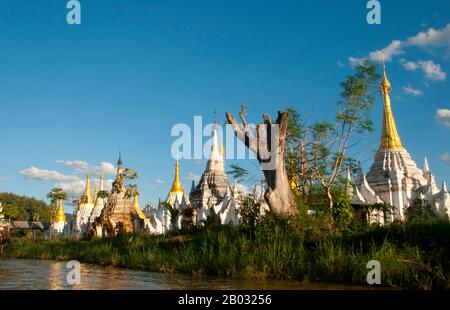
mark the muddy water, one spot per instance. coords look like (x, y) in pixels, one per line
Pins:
(51, 275)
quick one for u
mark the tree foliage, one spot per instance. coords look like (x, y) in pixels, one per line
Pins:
(422, 213)
(26, 207)
(319, 150)
(249, 211)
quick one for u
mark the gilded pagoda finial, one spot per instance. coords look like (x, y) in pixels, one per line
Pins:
(176, 185)
(87, 197)
(60, 215)
(390, 138)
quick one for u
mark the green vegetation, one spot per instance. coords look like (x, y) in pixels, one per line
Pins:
(21, 208)
(411, 255)
(333, 245)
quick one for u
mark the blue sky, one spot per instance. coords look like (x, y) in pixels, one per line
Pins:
(122, 79)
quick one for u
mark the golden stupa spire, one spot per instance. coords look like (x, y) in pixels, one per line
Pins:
(87, 197)
(60, 216)
(136, 200)
(137, 207)
(176, 185)
(389, 135)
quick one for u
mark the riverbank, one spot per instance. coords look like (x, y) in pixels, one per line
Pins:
(411, 256)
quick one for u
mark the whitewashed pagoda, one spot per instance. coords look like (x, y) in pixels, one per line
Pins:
(99, 204)
(177, 197)
(160, 218)
(84, 210)
(213, 196)
(394, 178)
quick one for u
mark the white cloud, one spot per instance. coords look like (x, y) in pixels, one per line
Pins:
(82, 167)
(76, 164)
(412, 91)
(432, 71)
(432, 38)
(395, 48)
(159, 181)
(353, 61)
(409, 65)
(34, 173)
(193, 177)
(73, 189)
(104, 168)
(443, 117)
(446, 157)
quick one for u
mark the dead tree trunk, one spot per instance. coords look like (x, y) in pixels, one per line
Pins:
(267, 141)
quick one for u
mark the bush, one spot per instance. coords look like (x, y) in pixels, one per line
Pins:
(420, 212)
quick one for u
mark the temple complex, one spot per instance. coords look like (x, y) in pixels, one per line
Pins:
(394, 178)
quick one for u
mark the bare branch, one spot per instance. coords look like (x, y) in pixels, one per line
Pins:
(242, 115)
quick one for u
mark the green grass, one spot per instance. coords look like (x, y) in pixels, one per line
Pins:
(411, 256)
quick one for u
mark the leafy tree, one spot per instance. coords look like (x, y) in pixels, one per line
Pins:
(11, 212)
(122, 183)
(27, 206)
(321, 149)
(249, 211)
(342, 213)
(103, 194)
(421, 212)
(238, 173)
(55, 195)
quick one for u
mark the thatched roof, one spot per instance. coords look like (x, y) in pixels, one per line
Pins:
(27, 225)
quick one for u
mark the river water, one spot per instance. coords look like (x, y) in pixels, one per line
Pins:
(29, 274)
